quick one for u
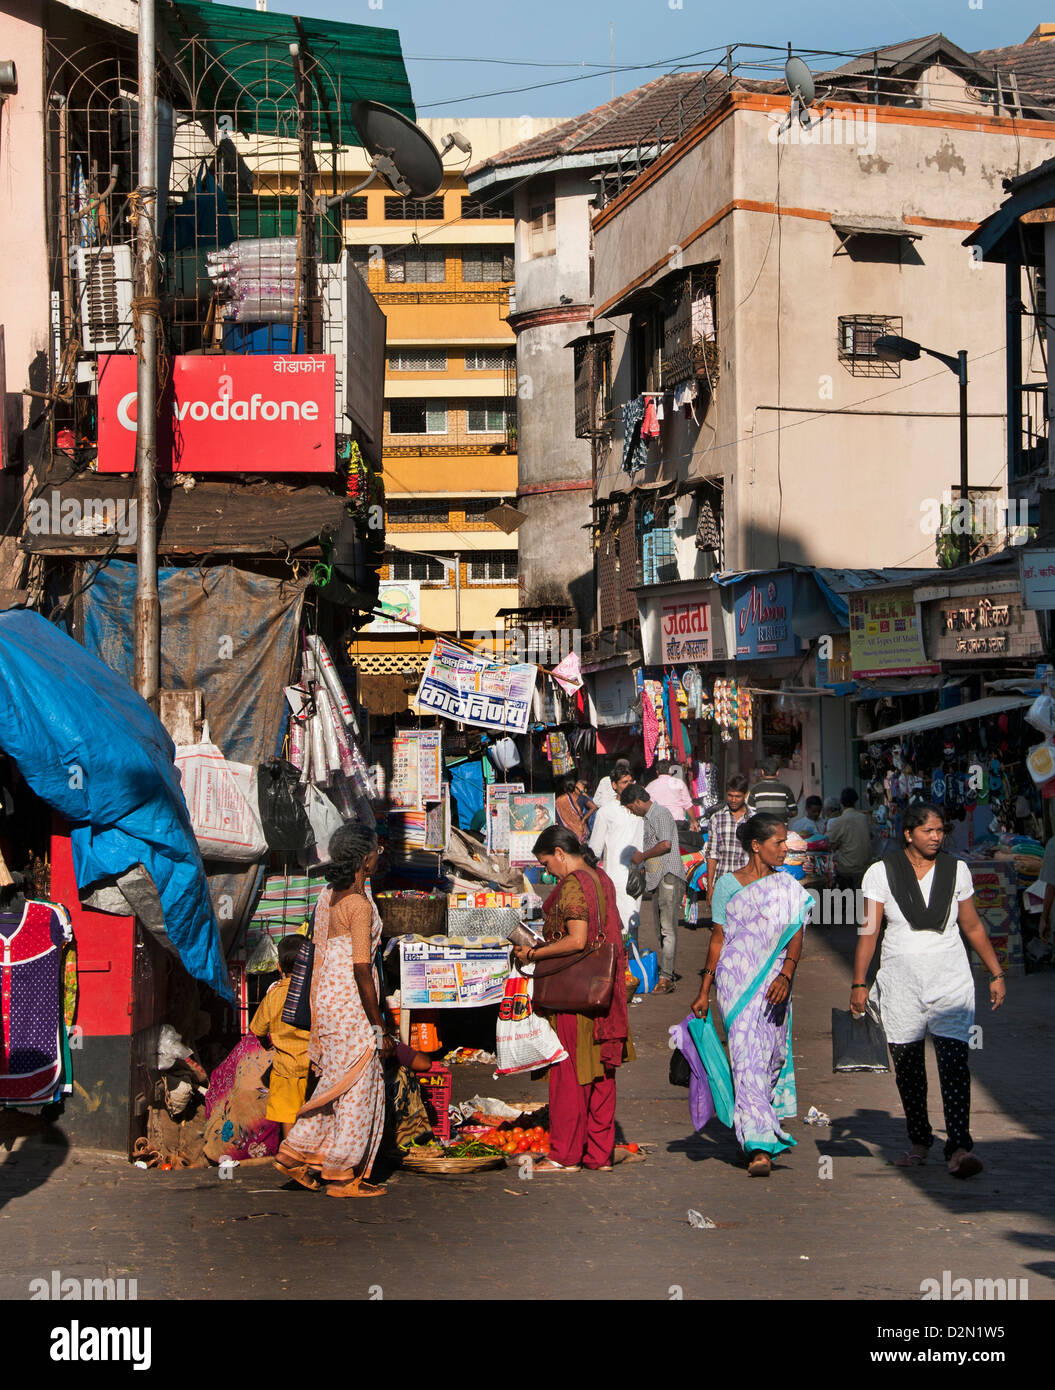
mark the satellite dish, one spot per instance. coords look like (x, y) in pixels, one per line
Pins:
(799, 81)
(401, 153)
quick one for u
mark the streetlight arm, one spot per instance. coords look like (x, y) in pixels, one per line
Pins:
(956, 365)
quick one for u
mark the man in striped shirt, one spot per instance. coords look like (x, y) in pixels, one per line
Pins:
(772, 795)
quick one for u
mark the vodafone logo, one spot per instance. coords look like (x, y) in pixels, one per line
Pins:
(225, 410)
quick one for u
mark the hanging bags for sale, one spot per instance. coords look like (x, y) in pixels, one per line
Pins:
(222, 801)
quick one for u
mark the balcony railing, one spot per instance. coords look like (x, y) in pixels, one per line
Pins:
(1032, 453)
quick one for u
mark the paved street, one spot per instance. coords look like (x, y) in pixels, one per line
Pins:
(867, 1232)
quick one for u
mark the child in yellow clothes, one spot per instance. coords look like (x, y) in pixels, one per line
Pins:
(289, 1070)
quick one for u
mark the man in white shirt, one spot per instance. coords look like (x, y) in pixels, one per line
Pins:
(671, 792)
(606, 793)
(617, 833)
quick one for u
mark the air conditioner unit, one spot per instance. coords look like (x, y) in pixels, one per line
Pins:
(104, 292)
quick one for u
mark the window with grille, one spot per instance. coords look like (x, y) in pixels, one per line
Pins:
(476, 512)
(690, 343)
(413, 209)
(417, 513)
(646, 350)
(593, 385)
(417, 417)
(857, 340)
(417, 360)
(418, 265)
(422, 567)
(542, 222)
(492, 567)
(354, 210)
(659, 563)
(487, 264)
(485, 207)
(488, 360)
(486, 417)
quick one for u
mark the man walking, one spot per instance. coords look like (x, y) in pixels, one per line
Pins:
(725, 854)
(771, 795)
(615, 837)
(664, 875)
(850, 836)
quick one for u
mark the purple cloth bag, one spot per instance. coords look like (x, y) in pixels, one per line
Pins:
(701, 1103)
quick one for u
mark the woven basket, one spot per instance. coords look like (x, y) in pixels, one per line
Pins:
(632, 987)
(444, 1167)
(407, 916)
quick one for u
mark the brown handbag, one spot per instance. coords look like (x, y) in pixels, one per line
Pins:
(578, 984)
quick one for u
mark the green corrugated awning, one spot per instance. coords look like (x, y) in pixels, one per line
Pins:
(236, 63)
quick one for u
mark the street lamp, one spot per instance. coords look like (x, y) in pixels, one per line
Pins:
(891, 348)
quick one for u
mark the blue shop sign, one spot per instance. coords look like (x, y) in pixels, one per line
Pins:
(762, 616)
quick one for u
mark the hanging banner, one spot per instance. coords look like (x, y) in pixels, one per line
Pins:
(461, 685)
(762, 610)
(400, 601)
(529, 815)
(496, 820)
(886, 638)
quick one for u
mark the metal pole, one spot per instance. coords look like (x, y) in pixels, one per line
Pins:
(458, 597)
(147, 608)
(965, 537)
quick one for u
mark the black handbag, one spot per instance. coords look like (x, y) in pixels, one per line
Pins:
(296, 1011)
(635, 881)
(858, 1044)
(680, 1071)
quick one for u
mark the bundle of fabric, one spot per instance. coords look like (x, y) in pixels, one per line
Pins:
(235, 1106)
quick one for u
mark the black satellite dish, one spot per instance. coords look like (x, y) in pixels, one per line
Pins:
(799, 81)
(401, 153)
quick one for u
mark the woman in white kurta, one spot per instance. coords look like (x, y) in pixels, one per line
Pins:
(924, 983)
(616, 834)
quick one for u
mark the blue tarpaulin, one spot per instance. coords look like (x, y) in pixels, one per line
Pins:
(93, 750)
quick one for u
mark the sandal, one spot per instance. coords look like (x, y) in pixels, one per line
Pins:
(550, 1165)
(910, 1160)
(759, 1165)
(663, 986)
(300, 1173)
(355, 1189)
(967, 1167)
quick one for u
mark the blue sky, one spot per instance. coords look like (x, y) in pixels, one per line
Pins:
(440, 36)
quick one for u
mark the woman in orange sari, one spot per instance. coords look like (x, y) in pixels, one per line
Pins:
(338, 1131)
(582, 1088)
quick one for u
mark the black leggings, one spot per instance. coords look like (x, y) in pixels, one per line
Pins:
(954, 1076)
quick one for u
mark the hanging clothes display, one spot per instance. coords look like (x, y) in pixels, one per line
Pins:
(708, 535)
(635, 450)
(650, 730)
(692, 683)
(33, 1042)
(652, 694)
(559, 755)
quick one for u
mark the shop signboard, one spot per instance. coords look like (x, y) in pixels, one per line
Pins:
(461, 685)
(224, 414)
(400, 601)
(886, 638)
(982, 625)
(433, 976)
(677, 625)
(1038, 578)
(612, 698)
(762, 608)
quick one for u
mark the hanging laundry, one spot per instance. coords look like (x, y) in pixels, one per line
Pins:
(650, 420)
(635, 451)
(33, 1039)
(684, 395)
(659, 409)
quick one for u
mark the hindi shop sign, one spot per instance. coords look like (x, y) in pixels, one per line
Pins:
(224, 414)
(762, 616)
(973, 625)
(458, 684)
(676, 626)
(1038, 578)
(885, 635)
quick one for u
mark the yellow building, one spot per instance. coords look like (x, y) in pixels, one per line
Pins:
(441, 268)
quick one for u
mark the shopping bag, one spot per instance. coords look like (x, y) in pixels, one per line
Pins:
(645, 965)
(282, 815)
(325, 819)
(524, 1040)
(858, 1044)
(221, 798)
(296, 1011)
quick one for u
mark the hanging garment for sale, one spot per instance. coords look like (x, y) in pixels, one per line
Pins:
(31, 984)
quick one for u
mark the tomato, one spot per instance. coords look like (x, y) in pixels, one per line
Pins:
(630, 1148)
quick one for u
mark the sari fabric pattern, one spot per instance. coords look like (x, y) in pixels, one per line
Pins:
(760, 920)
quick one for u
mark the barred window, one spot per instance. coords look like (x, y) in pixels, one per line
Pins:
(418, 265)
(417, 513)
(486, 417)
(485, 207)
(422, 567)
(492, 567)
(417, 360)
(488, 359)
(414, 209)
(354, 210)
(476, 512)
(487, 264)
(417, 417)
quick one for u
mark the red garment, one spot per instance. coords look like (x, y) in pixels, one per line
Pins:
(650, 423)
(649, 728)
(582, 1118)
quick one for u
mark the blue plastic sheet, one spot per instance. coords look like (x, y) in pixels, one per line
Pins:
(93, 750)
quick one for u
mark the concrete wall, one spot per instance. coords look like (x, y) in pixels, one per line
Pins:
(805, 483)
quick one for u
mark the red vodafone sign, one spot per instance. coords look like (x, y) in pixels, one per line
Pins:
(244, 414)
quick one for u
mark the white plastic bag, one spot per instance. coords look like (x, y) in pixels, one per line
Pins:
(524, 1040)
(1041, 714)
(222, 800)
(325, 820)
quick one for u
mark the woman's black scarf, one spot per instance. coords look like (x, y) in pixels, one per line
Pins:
(920, 915)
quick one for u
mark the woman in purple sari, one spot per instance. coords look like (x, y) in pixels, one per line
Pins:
(759, 917)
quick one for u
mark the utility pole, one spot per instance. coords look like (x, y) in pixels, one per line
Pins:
(147, 620)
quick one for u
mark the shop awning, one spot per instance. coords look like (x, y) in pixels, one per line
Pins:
(975, 709)
(236, 63)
